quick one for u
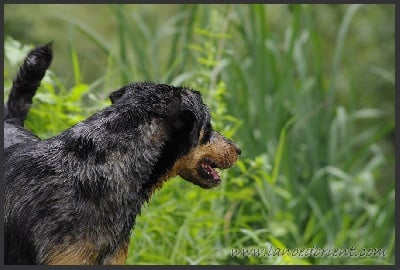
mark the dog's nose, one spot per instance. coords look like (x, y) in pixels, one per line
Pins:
(238, 150)
(216, 134)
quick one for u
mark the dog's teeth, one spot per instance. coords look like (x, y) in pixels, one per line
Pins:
(210, 171)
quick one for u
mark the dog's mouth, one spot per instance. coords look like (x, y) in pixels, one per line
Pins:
(206, 170)
(207, 174)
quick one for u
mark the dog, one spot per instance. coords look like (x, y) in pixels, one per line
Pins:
(73, 198)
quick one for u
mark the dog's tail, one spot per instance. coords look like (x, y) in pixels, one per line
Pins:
(25, 84)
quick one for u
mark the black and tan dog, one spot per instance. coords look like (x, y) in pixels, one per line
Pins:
(73, 198)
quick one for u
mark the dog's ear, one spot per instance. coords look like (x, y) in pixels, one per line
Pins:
(117, 95)
(181, 139)
(187, 129)
(191, 126)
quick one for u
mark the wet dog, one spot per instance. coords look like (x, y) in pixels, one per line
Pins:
(73, 198)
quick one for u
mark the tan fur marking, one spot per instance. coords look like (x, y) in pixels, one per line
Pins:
(80, 253)
(119, 256)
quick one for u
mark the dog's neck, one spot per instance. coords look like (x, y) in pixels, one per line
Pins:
(98, 156)
(109, 167)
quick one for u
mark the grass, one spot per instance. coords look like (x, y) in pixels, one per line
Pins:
(311, 110)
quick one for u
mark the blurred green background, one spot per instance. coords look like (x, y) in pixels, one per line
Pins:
(307, 91)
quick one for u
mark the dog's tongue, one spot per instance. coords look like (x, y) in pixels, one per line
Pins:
(210, 171)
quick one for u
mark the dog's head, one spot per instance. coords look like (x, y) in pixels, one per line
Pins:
(191, 148)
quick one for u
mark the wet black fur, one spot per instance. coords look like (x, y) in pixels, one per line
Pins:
(90, 181)
(25, 84)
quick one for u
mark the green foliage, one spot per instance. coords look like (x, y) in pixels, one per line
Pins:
(311, 108)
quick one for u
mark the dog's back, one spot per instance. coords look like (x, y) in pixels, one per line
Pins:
(23, 89)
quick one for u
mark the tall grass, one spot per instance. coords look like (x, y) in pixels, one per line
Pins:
(314, 155)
